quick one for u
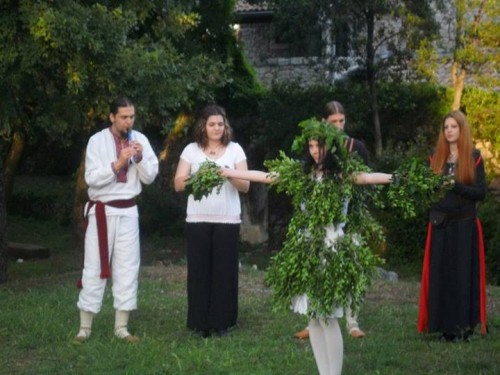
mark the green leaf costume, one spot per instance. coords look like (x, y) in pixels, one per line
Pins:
(332, 269)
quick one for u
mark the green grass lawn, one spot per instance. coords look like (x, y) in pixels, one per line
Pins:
(39, 318)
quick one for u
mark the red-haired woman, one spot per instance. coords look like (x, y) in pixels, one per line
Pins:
(453, 296)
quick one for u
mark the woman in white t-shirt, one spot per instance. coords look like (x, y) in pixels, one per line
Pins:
(212, 226)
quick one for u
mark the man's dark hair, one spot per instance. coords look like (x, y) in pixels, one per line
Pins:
(121, 101)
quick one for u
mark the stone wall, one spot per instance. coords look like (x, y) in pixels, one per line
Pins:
(305, 71)
(273, 61)
(254, 215)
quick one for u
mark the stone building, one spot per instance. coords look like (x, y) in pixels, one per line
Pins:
(272, 60)
(276, 61)
(328, 60)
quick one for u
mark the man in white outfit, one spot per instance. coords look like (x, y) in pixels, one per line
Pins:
(118, 161)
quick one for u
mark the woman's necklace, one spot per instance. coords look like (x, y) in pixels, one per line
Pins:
(452, 161)
(213, 152)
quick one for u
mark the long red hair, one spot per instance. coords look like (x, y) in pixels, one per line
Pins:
(465, 171)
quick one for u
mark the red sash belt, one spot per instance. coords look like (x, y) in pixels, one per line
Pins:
(102, 230)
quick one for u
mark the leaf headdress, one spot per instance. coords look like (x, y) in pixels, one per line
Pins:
(314, 129)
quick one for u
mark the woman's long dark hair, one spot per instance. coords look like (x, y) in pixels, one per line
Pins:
(330, 162)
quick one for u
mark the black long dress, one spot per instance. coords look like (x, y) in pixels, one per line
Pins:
(453, 297)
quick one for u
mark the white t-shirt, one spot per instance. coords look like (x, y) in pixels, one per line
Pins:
(224, 207)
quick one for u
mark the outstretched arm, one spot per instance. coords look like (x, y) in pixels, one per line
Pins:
(254, 176)
(240, 184)
(364, 178)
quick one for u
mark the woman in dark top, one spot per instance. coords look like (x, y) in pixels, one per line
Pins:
(453, 290)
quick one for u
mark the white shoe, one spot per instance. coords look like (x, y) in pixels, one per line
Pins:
(82, 335)
(123, 334)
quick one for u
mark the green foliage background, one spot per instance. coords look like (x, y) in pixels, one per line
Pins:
(411, 115)
(61, 62)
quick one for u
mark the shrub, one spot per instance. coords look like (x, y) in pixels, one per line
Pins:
(411, 109)
(483, 114)
(43, 197)
(162, 211)
(489, 213)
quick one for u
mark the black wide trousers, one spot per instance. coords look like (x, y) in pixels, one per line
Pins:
(212, 286)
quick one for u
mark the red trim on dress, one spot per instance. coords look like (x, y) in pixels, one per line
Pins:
(424, 286)
(482, 279)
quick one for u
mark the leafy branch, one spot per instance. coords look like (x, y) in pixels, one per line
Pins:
(415, 187)
(205, 180)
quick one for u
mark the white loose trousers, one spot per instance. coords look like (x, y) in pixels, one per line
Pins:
(124, 255)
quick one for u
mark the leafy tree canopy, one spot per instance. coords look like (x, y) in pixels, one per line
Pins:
(61, 63)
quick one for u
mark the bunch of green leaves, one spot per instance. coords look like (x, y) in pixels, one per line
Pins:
(329, 273)
(291, 175)
(315, 129)
(415, 187)
(205, 180)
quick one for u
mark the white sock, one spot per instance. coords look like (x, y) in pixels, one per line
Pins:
(86, 318)
(351, 319)
(327, 344)
(121, 323)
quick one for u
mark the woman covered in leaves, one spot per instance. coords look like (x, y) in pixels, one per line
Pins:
(453, 289)
(319, 269)
(212, 225)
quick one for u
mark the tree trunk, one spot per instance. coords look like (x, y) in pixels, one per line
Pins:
(80, 198)
(172, 143)
(11, 164)
(181, 122)
(329, 47)
(370, 75)
(458, 78)
(376, 120)
(3, 239)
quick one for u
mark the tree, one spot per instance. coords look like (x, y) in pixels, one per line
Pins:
(470, 47)
(215, 37)
(3, 237)
(378, 35)
(468, 53)
(62, 62)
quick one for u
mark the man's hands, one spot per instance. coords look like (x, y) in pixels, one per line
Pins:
(134, 150)
(137, 147)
